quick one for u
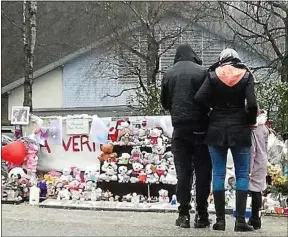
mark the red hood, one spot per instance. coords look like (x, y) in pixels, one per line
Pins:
(230, 75)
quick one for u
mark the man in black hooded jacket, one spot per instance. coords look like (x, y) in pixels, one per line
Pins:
(179, 86)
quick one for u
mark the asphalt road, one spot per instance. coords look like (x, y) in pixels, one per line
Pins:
(24, 220)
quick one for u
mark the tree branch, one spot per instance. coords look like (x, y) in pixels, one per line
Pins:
(273, 42)
(11, 21)
(139, 16)
(124, 90)
(175, 35)
(278, 5)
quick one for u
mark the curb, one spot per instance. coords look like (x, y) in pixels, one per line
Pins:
(126, 209)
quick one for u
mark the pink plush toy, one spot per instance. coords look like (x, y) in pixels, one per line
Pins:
(78, 175)
(31, 160)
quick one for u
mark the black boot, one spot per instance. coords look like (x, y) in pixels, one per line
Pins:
(241, 200)
(183, 219)
(219, 200)
(201, 220)
(255, 220)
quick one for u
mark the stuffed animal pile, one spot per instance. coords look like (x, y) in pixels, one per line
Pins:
(124, 134)
(140, 167)
(15, 187)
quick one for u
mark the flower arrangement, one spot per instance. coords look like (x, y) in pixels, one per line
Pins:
(50, 179)
(279, 182)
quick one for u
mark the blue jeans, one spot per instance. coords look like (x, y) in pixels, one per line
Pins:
(241, 158)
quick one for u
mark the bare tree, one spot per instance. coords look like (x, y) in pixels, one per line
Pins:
(151, 34)
(29, 40)
(263, 27)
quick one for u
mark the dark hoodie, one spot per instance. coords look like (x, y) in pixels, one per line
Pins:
(179, 86)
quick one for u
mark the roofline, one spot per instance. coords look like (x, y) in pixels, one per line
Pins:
(55, 65)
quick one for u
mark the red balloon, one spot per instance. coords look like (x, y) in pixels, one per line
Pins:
(14, 152)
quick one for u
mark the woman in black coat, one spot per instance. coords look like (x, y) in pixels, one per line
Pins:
(229, 91)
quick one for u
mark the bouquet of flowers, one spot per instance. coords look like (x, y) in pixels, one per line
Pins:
(279, 182)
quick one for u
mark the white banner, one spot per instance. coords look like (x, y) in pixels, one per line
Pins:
(76, 148)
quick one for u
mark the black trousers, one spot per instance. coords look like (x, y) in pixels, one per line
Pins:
(191, 155)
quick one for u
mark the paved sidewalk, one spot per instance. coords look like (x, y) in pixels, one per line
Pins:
(25, 220)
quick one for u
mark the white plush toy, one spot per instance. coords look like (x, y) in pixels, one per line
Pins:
(170, 177)
(154, 136)
(136, 154)
(135, 199)
(152, 176)
(66, 175)
(163, 196)
(169, 157)
(123, 176)
(158, 151)
(134, 173)
(64, 194)
(110, 169)
(143, 133)
(124, 159)
(148, 158)
(92, 173)
(17, 173)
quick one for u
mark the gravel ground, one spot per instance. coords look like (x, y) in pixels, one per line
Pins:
(25, 220)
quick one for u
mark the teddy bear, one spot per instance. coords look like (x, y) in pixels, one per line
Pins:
(110, 169)
(143, 133)
(124, 159)
(96, 194)
(123, 129)
(169, 158)
(66, 176)
(107, 150)
(134, 173)
(158, 151)
(123, 176)
(163, 196)
(107, 196)
(92, 173)
(152, 176)
(77, 174)
(146, 158)
(135, 138)
(154, 136)
(158, 148)
(161, 171)
(88, 189)
(135, 199)
(170, 176)
(136, 154)
(75, 190)
(63, 194)
(125, 140)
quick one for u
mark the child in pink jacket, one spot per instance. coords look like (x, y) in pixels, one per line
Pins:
(258, 166)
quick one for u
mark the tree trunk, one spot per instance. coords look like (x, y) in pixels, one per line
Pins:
(152, 62)
(284, 63)
(29, 40)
